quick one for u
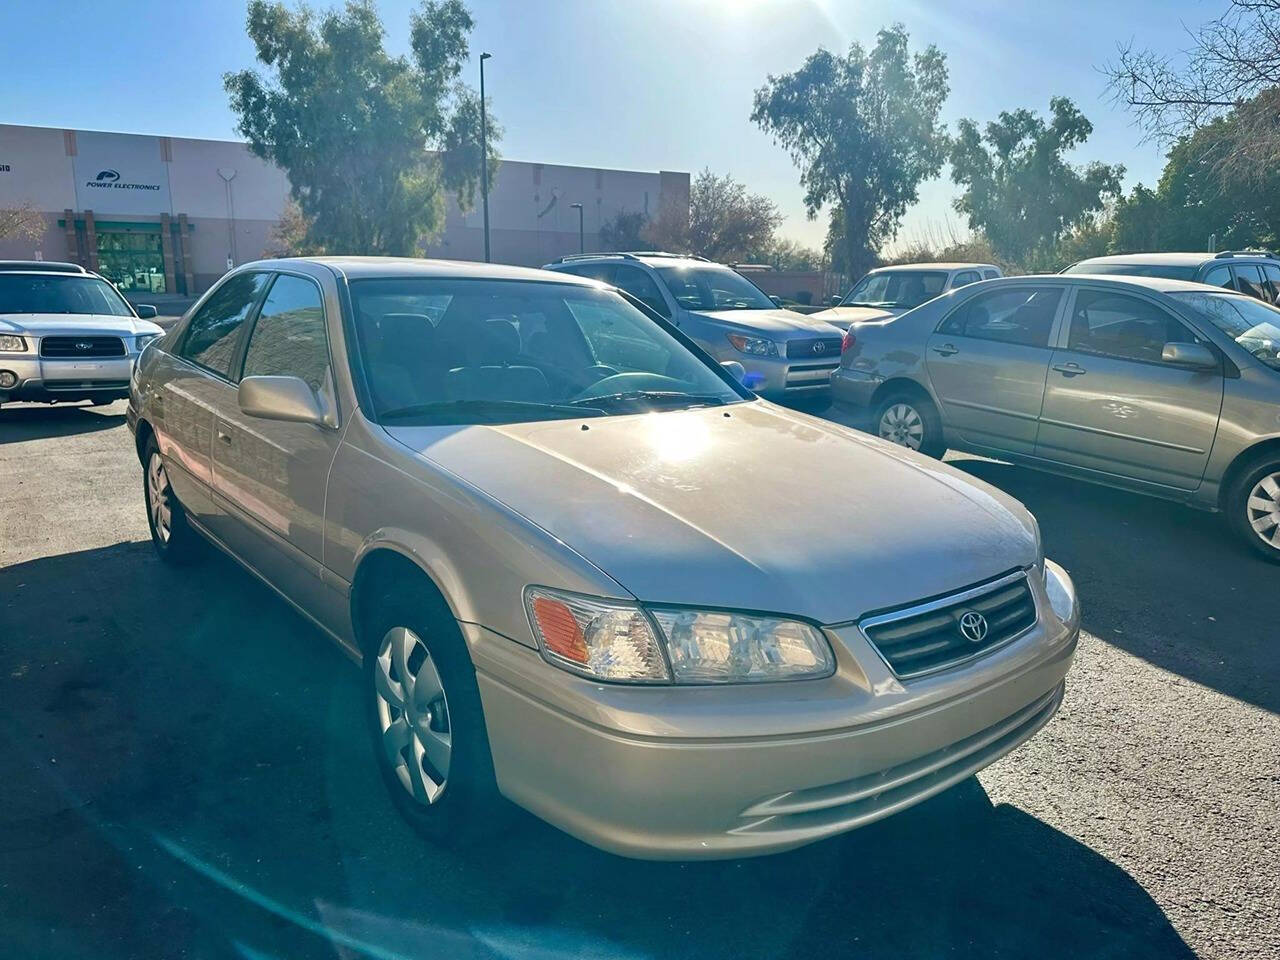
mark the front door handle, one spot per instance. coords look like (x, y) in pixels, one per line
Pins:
(946, 350)
(224, 436)
(1069, 369)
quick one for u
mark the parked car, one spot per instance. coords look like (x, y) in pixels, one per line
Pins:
(66, 334)
(580, 563)
(1160, 386)
(889, 291)
(785, 354)
(1255, 272)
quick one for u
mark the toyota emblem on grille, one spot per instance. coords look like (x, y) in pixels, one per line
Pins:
(973, 626)
(83, 345)
(819, 347)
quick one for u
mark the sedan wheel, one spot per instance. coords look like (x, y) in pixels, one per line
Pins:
(413, 714)
(159, 498)
(1262, 509)
(901, 423)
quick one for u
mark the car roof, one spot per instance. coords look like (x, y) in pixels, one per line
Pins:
(1177, 259)
(651, 258)
(948, 265)
(40, 266)
(354, 268)
(1158, 284)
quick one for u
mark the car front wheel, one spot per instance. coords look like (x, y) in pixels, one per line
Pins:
(1253, 508)
(174, 541)
(911, 422)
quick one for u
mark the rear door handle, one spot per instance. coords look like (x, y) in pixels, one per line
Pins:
(1069, 369)
(946, 350)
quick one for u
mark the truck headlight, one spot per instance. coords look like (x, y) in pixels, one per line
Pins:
(141, 340)
(616, 640)
(12, 344)
(1061, 592)
(754, 346)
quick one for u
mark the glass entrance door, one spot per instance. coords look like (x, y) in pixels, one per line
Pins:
(132, 260)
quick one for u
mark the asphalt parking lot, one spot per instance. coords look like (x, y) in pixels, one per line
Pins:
(183, 771)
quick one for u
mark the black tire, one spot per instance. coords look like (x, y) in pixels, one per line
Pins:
(921, 414)
(181, 544)
(469, 809)
(1241, 515)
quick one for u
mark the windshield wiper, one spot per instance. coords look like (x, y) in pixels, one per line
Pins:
(487, 409)
(653, 398)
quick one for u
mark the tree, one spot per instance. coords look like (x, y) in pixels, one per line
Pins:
(288, 238)
(1019, 190)
(725, 221)
(624, 231)
(864, 130)
(784, 254)
(351, 125)
(21, 223)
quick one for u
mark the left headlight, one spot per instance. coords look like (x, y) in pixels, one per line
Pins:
(12, 344)
(1061, 591)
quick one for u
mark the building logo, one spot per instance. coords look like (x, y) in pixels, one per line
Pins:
(110, 179)
(973, 626)
(108, 176)
(5, 168)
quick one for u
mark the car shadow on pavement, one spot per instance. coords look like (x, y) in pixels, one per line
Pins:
(184, 772)
(30, 422)
(1163, 581)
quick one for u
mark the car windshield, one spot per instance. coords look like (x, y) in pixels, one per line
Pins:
(42, 293)
(1249, 322)
(896, 288)
(504, 351)
(1168, 271)
(713, 288)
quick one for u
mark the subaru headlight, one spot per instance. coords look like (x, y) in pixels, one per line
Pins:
(12, 344)
(616, 640)
(1060, 591)
(754, 346)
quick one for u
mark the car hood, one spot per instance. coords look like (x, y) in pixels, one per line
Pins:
(771, 321)
(843, 316)
(41, 324)
(729, 507)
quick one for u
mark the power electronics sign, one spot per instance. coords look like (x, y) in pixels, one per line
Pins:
(120, 173)
(110, 180)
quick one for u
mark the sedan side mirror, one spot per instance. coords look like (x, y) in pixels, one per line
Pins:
(280, 398)
(1195, 355)
(735, 369)
(835, 300)
(777, 301)
(145, 311)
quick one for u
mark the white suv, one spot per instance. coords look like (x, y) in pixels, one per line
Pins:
(889, 291)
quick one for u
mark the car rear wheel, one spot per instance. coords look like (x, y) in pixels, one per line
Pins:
(427, 722)
(911, 422)
(174, 540)
(1253, 508)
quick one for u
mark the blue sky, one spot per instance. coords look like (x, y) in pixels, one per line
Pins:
(661, 84)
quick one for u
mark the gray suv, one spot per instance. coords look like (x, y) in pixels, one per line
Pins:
(1160, 386)
(1254, 272)
(786, 355)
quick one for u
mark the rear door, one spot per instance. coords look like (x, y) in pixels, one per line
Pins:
(1111, 403)
(1249, 280)
(988, 361)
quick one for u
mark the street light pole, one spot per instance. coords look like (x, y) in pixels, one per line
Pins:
(582, 247)
(484, 158)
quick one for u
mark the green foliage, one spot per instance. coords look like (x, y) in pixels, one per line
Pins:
(1019, 189)
(724, 222)
(624, 231)
(351, 125)
(864, 130)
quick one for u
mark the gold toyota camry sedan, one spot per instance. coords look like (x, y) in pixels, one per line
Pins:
(585, 570)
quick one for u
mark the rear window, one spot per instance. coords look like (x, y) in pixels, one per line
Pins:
(1168, 271)
(35, 293)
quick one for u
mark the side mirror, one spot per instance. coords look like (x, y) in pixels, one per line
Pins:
(777, 301)
(145, 311)
(280, 398)
(735, 369)
(1195, 355)
(835, 300)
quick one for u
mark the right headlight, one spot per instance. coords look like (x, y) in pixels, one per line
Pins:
(754, 346)
(12, 344)
(1061, 591)
(616, 640)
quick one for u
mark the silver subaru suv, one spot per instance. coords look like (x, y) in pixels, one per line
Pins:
(579, 562)
(786, 355)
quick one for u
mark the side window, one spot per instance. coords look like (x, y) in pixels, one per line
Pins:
(964, 278)
(1273, 281)
(212, 335)
(1219, 276)
(1118, 325)
(643, 287)
(990, 274)
(289, 338)
(592, 271)
(1249, 278)
(1022, 315)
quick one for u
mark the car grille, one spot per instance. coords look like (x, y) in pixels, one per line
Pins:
(820, 347)
(81, 347)
(940, 633)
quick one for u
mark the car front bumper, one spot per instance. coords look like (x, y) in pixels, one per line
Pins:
(50, 381)
(717, 772)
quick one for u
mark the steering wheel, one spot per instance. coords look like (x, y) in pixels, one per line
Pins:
(626, 382)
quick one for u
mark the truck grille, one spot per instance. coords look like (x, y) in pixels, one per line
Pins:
(941, 633)
(808, 349)
(77, 347)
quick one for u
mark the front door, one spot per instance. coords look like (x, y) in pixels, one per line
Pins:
(988, 360)
(1113, 405)
(270, 476)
